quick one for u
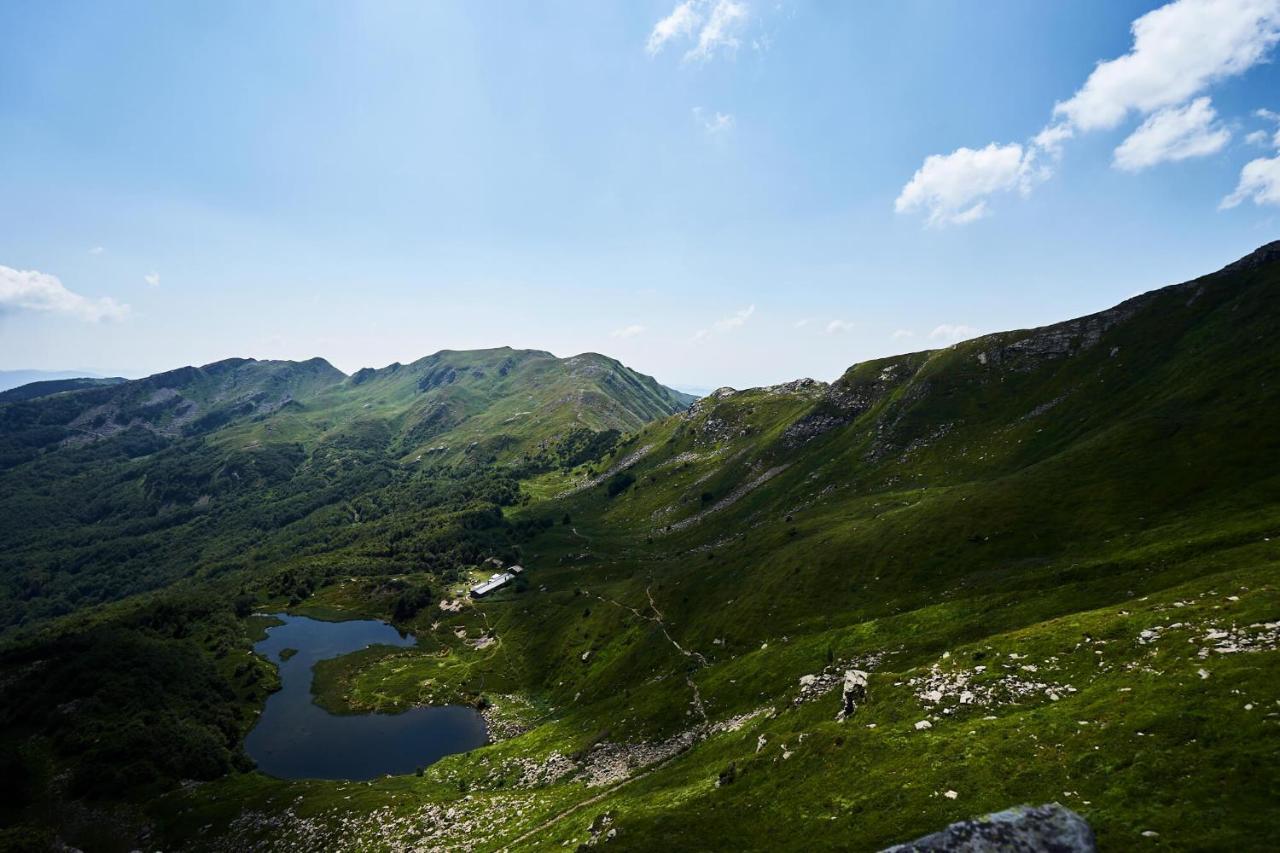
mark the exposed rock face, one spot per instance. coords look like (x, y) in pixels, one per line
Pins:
(853, 692)
(1050, 828)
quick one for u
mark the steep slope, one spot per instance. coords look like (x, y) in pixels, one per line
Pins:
(1053, 551)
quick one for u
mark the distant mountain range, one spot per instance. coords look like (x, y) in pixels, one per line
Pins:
(15, 378)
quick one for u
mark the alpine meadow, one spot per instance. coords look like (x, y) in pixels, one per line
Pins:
(1010, 592)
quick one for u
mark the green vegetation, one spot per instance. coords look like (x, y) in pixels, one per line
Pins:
(1054, 552)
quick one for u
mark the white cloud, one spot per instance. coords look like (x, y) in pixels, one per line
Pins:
(836, 327)
(800, 324)
(953, 333)
(902, 334)
(628, 331)
(953, 187)
(1174, 133)
(1178, 51)
(715, 27)
(713, 124)
(30, 290)
(726, 324)
(682, 21)
(736, 319)
(152, 278)
(1050, 139)
(1259, 182)
(721, 30)
(1262, 137)
(97, 250)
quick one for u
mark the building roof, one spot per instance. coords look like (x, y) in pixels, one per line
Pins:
(491, 584)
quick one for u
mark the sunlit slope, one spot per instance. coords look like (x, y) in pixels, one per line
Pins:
(1027, 493)
(1016, 461)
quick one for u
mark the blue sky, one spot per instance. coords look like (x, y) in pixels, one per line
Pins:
(714, 191)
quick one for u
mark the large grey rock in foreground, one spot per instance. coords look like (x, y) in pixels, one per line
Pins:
(1049, 828)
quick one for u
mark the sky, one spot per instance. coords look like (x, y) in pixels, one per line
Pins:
(715, 192)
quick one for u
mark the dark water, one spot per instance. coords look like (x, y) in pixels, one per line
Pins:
(297, 739)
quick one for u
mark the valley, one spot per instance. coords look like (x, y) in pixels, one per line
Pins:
(1036, 566)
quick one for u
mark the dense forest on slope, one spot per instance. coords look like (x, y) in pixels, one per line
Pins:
(1053, 551)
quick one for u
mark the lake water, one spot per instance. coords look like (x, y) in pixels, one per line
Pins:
(297, 739)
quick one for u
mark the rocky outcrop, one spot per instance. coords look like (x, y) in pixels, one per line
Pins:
(1050, 828)
(854, 690)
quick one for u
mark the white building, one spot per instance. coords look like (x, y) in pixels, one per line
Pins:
(494, 582)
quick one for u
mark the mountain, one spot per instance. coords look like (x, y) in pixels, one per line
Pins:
(45, 387)
(1036, 566)
(162, 467)
(15, 378)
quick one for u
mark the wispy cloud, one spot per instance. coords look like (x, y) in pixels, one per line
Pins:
(29, 290)
(903, 334)
(720, 32)
(726, 324)
(714, 26)
(953, 333)
(735, 320)
(836, 327)
(97, 250)
(1178, 51)
(152, 278)
(628, 331)
(714, 124)
(682, 21)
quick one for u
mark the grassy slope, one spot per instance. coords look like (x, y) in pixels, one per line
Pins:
(1046, 494)
(243, 463)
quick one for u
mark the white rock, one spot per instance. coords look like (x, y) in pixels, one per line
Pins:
(923, 724)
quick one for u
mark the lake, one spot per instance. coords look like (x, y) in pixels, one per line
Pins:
(297, 739)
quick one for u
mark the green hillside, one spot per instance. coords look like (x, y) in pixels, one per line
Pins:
(1054, 553)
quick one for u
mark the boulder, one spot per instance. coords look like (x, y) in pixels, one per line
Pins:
(853, 692)
(1050, 828)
